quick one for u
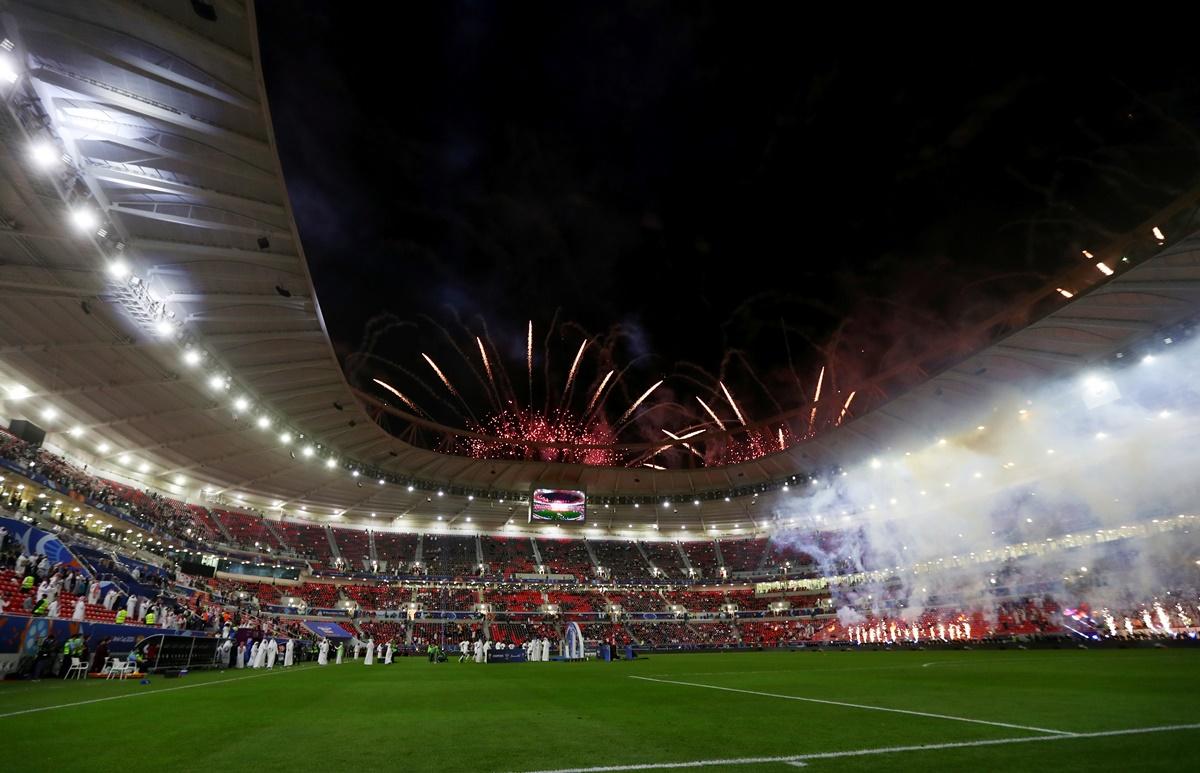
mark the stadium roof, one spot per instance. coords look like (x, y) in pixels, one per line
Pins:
(145, 217)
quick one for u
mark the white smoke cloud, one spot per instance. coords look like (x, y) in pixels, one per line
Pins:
(1114, 446)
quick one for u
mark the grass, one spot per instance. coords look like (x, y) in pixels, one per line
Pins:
(414, 716)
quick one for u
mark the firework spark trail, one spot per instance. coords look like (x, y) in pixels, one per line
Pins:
(529, 358)
(574, 367)
(398, 394)
(449, 386)
(685, 436)
(782, 445)
(599, 390)
(845, 408)
(507, 394)
(546, 359)
(435, 394)
(487, 366)
(638, 402)
(720, 423)
(812, 416)
(729, 397)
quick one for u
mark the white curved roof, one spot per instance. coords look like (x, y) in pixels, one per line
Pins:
(163, 120)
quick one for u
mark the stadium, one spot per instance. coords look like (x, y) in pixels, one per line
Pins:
(499, 540)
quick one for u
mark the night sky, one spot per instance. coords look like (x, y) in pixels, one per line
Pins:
(708, 177)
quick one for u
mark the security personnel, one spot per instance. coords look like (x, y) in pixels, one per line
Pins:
(150, 617)
(41, 607)
(27, 583)
(121, 616)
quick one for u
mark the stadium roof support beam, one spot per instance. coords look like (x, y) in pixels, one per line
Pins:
(262, 229)
(1041, 354)
(106, 94)
(148, 182)
(110, 386)
(76, 31)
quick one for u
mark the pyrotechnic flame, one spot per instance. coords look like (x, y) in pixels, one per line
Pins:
(574, 367)
(397, 393)
(729, 397)
(846, 407)
(820, 380)
(638, 402)
(782, 445)
(710, 413)
(441, 375)
(529, 358)
(487, 366)
(599, 390)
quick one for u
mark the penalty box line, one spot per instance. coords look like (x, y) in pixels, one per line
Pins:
(270, 672)
(910, 712)
(799, 760)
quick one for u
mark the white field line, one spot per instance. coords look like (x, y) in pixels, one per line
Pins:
(154, 692)
(910, 712)
(798, 760)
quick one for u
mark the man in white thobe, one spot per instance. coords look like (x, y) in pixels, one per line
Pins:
(478, 645)
(354, 646)
(370, 658)
(79, 610)
(323, 653)
(288, 653)
(255, 660)
(223, 654)
(241, 656)
(131, 608)
(464, 649)
(387, 654)
(545, 650)
(340, 649)
(110, 599)
(487, 650)
(53, 611)
(93, 595)
(272, 652)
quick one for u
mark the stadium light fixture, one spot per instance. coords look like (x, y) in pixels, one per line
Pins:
(1065, 293)
(164, 327)
(8, 69)
(410, 490)
(84, 219)
(103, 448)
(49, 413)
(263, 422)
(1148, 359)
(216, 382)
(241, 404)
(191, 358)
(75, 431)
(1104, 269)
(1158, 234)
(308, 451)
(330, 462)
(43, 155)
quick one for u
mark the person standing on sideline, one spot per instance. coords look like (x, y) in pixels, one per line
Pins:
(272, 651)
(323, 653)
(341, 648)
(370, 658)
(464, 649)
(288, 653)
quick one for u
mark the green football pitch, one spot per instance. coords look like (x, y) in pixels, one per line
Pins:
(751, 712)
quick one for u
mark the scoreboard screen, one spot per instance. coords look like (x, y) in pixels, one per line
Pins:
(558, 505)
